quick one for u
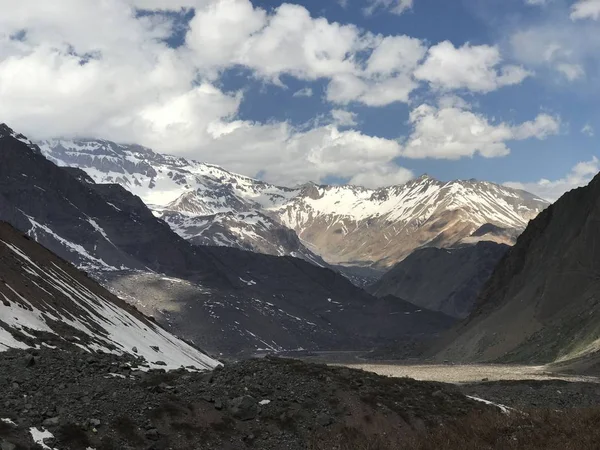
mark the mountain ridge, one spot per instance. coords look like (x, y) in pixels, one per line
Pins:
(223, 299)
(342, 224)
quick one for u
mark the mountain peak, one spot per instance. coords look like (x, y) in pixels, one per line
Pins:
(343, 223)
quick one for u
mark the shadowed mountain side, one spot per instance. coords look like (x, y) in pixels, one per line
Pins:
(542, 303)
(446, 280)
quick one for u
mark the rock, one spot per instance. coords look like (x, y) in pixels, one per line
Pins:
(95, 423)
(134, 350)
(218, 404)
(160, 363)
(52, 422)
(485, 379)
(29, 360)
(5, 445)
(153, 434)
(324, 420)
(243, 408)
(207, 377)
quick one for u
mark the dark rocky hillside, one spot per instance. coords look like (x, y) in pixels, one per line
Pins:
(446, 280)
(542, 303)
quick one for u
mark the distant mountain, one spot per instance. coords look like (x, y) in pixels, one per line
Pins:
(446, 280)
(345, 225)
(223, 299)
(542, 303)
(46, 301)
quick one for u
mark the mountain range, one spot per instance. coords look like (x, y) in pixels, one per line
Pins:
(224, 300)
(341, 225)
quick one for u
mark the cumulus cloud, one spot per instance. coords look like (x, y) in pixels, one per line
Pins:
(559, 48)
(588, 130)
(288, 156)
(306, 92)
(387, 175)
(477, 68)
(571, 72)
(72, 68)
(110, 74)
(586, 9)
(393, 6)
(453, 132)
(343, 118)
(580, 175)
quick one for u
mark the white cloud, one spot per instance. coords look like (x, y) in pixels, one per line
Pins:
(586, 9)
(172, 5)
(453, 132)
(571, 71)
(294, 43)
(560, 49)
(289, 156)
(219, 30)
(393, 6)
(537, 2)
(344, 89)
(97, 69)
(588, 130)
(474, 67)
(578, 176)
(387, 76)
(343, 118)
(290, 42)
(306, 92)
(387, 175)
(395, 54)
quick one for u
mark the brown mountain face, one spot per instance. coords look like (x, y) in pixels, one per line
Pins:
(542, 304)
(353, 226)
(446, 280)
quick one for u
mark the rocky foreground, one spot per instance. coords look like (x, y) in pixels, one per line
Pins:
(54, 399)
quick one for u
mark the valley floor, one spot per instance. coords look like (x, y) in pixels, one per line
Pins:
(468, 373)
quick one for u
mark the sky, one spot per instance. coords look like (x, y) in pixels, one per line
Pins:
(368, 92)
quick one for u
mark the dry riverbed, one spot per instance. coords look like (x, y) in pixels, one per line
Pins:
(467, 373)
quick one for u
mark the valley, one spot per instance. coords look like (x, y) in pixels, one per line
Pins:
(229, 339)
(284, 225)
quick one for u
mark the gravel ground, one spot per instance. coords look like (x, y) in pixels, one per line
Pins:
(103, 402)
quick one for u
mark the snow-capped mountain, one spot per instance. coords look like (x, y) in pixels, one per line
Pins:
(46, 301)
(346, 225)
(222, 299)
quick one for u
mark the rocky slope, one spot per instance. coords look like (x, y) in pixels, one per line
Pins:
(75, 401)
(542, 303)
(72, 401)
(46, 301)
(223, 299)
(345, 225)
(446, 280)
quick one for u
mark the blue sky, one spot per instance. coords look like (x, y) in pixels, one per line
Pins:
(370, 92)
(475, 22)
